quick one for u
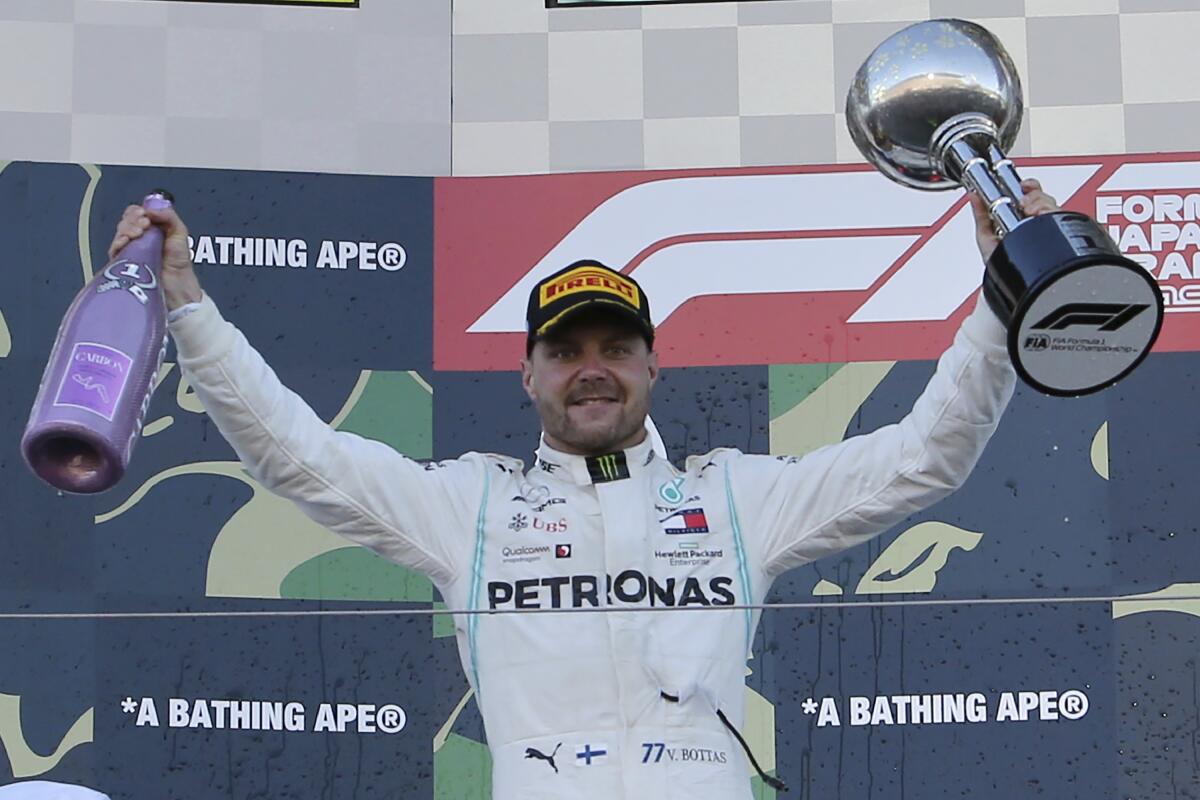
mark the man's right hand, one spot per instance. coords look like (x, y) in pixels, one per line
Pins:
(1035, 202)
(178, 278)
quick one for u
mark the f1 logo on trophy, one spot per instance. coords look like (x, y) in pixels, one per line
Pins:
(935, 107)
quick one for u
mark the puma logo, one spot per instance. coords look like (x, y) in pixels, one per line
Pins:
(533, 752)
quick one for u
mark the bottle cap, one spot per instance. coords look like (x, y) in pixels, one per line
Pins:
(158, 199)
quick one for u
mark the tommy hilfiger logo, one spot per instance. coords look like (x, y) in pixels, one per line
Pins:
(608, 467)
(687, 520)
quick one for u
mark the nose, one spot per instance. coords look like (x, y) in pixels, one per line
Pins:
(592, 365)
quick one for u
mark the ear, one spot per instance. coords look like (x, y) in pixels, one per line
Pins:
(652, 365)
(527, 378)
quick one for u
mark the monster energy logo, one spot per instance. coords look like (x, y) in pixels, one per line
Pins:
(608, 467)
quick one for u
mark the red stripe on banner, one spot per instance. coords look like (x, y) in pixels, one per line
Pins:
(491, 233)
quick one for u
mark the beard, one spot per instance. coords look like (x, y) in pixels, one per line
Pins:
(593, 437)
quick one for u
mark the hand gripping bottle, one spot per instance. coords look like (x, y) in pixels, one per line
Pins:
(96, 389)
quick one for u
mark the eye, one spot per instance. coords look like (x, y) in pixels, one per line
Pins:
(620, 349)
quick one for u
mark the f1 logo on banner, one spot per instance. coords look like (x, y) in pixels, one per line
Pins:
(816, 265)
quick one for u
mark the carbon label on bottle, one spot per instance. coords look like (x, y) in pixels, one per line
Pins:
(95, 379)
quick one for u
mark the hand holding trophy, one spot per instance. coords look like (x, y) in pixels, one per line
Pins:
(936, 106)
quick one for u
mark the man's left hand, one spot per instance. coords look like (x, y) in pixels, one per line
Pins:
(1035, 202)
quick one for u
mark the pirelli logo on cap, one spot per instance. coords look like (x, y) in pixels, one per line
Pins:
(590, 279)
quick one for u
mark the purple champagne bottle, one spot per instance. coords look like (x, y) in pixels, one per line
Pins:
(96, 389)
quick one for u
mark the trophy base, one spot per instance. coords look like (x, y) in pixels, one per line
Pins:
(1080, 315)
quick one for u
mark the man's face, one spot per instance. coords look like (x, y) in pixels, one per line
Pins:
(591, 384)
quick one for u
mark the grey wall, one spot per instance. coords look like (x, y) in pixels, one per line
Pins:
(469, 87)
(212, 84)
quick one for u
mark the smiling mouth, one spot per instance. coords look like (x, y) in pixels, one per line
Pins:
(591, 401)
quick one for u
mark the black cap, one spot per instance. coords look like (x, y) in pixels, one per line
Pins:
(586, 284)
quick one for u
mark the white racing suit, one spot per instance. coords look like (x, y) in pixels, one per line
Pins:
(605, 704)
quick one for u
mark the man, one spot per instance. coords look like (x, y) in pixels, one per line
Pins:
(598, 703)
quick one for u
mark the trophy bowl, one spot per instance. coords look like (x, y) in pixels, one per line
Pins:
(916, 81)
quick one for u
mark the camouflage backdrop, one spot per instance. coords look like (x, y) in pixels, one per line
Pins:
(189, 635)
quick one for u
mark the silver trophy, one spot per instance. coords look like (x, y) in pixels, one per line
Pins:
(935, 107)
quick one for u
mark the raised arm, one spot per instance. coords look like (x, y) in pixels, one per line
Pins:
(841, 495)
(362, 489)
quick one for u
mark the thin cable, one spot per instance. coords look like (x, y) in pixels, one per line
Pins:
(380, 612)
